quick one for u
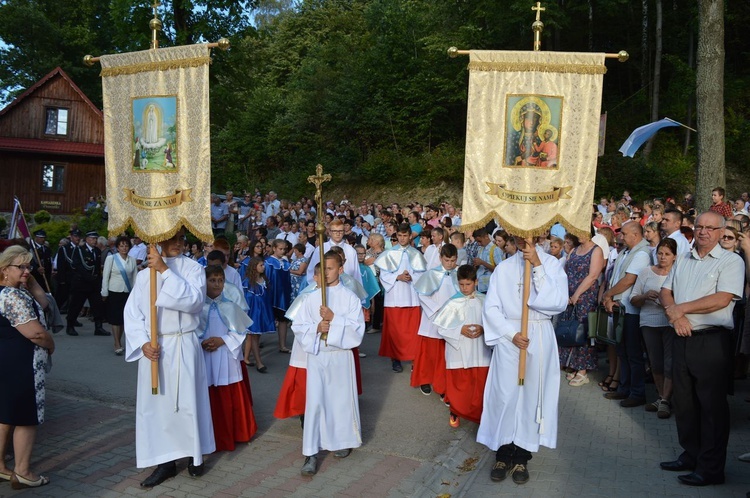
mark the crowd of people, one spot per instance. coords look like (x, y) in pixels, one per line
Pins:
(451, 302)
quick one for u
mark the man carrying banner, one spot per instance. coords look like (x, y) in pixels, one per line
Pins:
(176, 423)
(517, 419)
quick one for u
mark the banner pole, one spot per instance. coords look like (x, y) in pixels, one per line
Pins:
(524, 317)
(154, 334)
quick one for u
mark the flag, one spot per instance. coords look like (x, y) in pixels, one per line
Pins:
(18, 227)
(532, 140)
(643, 133)
(157, 141)
(602, 134)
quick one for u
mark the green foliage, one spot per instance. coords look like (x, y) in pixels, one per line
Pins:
(3, 223)
(42, 216)
(56, 230)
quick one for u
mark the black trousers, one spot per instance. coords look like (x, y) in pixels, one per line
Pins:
(79, 293)
(701, 370)
(512, 453)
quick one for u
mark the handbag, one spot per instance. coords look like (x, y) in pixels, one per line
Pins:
(608, 326)
(570, 332)
(598, 322)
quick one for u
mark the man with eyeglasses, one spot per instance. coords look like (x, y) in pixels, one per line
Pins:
(670, 224)
(351, 265)
(698, 297)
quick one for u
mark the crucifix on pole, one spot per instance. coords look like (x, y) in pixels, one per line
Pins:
(318, 179)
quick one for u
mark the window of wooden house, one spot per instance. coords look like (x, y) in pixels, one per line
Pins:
(57, 121)
(53, 177)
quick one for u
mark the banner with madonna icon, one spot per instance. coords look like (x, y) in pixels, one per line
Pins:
(532, 140)
(157, 141)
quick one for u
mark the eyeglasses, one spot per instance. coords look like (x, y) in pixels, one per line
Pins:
(23, 268)
(728, 237)
(699, 228)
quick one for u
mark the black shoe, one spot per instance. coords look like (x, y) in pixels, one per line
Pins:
(195, 470)
(500, 470)
(520, 474)
(675, 466)
(396, 366)
(70, 331)
(632, 402)
(101, 331)
(262, 369)
(302, 421)
(426, 389)
(163, 472)
(694, 479)
(78, 324)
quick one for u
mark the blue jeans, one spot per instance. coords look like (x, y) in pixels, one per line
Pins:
(632, 363)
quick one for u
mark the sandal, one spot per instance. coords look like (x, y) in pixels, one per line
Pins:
(5, 477)
(571, 375)
(607, 381)
(612, 387)
(18, 481)
(579, 380)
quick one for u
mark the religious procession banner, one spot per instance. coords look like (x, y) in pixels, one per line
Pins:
(156, 141)
(532, 140)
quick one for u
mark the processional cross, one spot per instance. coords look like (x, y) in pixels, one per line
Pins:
(538, 10)
(318, 179)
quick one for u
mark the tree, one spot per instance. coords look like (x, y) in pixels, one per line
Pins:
(710, 101)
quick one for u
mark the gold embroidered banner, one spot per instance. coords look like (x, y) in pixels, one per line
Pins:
(531, 139)
(157, 141)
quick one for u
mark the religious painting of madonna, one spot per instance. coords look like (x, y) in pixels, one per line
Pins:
(532, 131)
(155, 133)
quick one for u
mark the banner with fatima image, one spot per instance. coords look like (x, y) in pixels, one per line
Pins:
(532, 140)
(157, 141)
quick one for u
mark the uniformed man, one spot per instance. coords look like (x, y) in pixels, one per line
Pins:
(41, 260)
(63, 260)
(86, 283)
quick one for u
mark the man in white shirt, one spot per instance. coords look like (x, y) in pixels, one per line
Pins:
(286, 232)
(138, 251)
(351, 265)
(670, 224)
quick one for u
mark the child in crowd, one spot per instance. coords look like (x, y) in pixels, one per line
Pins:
(222, 328)
(298, 269)
(327, 334)
(467, 358)
(458, 239)
(260, 311)
(280, 287)
(435, 287)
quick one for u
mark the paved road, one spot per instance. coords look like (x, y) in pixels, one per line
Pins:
(87, 444)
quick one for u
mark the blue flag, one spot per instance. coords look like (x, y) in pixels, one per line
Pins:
(643, 133)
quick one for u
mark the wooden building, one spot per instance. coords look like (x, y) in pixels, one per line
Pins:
(51, 148)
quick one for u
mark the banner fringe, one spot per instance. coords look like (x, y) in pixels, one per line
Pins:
(155, 66)
(523, 232)
(155, 239)
(542, 67)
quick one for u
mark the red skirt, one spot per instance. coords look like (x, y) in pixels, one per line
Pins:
(399, 333)
(429, 365)
(466, 391)
(291, 401)
(357, 370)
(232, 412)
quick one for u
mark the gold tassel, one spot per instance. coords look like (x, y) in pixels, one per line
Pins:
(522, 232)
(154, 239)
(155, 66)
(541, 67)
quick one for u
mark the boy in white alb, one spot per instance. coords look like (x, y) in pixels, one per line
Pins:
(327, 334)
(467, 357)
(435, 287)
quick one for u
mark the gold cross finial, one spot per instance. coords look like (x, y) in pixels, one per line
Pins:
(155, 5)
(318, 178)
(538, 10)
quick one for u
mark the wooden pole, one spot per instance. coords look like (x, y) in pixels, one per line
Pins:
(525, 317)
(318, 179)
(154, 334)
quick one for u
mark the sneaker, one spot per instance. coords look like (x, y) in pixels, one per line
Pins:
(396, 366)
(453, 421)
(426, 389)
(342, 453)
(372, 331)
(653, 407)
(520, 474)
(310, 467)
(445, 402)
(499, 471)
(665, 409)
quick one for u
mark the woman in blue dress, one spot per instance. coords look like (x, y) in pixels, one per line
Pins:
(298, 270)
(261, 312)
